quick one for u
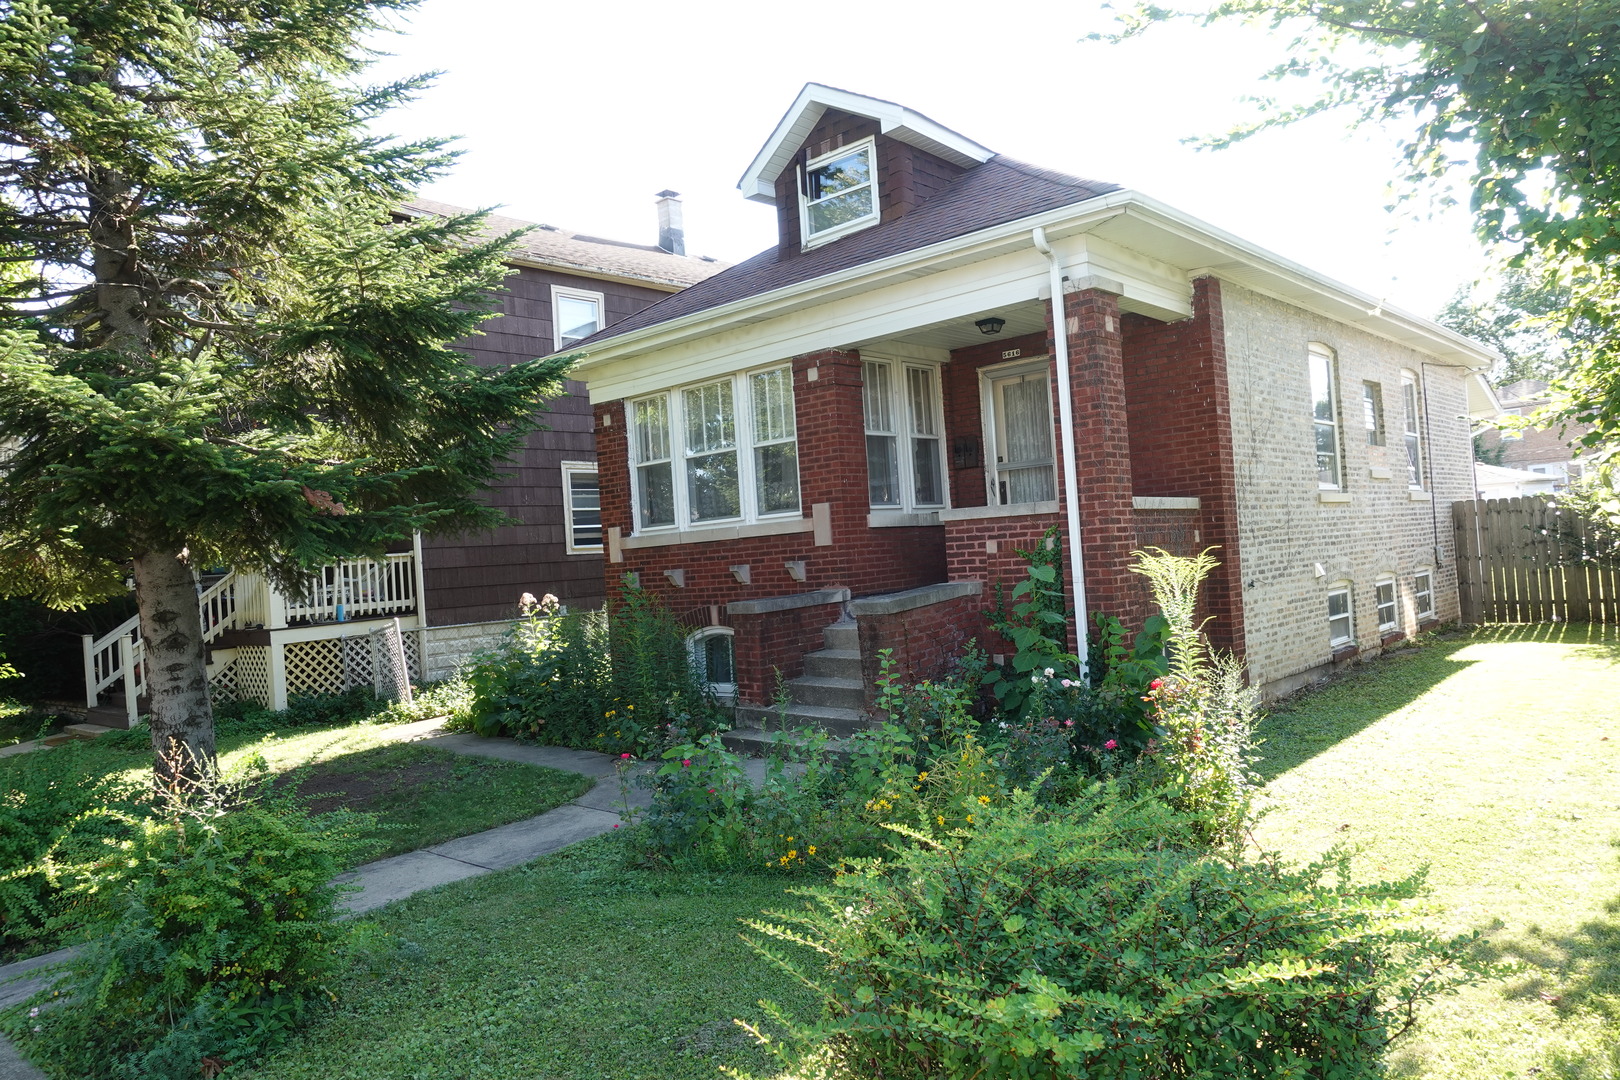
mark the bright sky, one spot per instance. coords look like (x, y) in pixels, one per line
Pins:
(575, 114)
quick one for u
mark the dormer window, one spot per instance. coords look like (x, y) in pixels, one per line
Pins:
(839, 193)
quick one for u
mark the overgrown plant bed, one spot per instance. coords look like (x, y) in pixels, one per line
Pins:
(419, 795)
(1491, 758)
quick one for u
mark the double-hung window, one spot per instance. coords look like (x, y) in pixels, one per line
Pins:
(839, 193)
(582, 500)
(575, 315)
(1423, 594)
(719, 451)
(1388, 610)
(1019, 407)
(1414, 443)
(904, 468)
(1341, 623)
(1325, 417)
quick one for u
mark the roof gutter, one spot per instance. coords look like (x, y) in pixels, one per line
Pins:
(1071, 484)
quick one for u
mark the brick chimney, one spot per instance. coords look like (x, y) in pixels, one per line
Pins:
(671, 236)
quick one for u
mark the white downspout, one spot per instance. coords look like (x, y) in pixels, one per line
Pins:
(1071, 486)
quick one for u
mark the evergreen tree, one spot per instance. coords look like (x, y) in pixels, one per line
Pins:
(218, 345)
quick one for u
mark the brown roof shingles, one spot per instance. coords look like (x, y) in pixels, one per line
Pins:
(999, 191)
(552, 246)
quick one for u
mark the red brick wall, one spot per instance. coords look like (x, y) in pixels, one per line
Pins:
(967, 552)
(925, 642)
(1179, 409)
(1103, 466)
(776, 642)
(832, 470)
(964, 409)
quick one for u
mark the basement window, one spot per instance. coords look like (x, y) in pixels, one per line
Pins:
(714, 658)
(1341, 625)
(1423, 594)
(1388, 611)
(839, 193)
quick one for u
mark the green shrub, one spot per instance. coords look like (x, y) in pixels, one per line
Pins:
(592, 680)
(208, 931)
(1102, 939)
(1036, 625)
(47, 799)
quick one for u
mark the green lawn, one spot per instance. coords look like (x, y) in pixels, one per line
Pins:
(569, 968)
(420, 794)
(1492, 759)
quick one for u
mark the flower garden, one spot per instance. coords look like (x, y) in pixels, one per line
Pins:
(1016, 872)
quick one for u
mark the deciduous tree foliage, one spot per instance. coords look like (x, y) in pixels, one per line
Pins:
(218, 346)
(1523, 94)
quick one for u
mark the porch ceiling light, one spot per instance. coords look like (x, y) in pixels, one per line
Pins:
(992, 325)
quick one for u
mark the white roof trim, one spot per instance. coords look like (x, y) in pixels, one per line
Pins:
(1125, 217)
(896, 121)
(1483, 404)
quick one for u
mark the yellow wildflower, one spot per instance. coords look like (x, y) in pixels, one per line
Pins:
(984, 800)
(811, 849)
(940, 818)
(970, 819)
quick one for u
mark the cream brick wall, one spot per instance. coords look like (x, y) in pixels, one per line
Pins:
(446, 649)
(1285, 529)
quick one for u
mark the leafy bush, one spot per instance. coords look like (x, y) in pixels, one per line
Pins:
(47, 799)
(208, 929)
(1102, 939)
(592, 680)
(1036, 625)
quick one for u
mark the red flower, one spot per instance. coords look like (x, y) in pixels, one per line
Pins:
(624, 757)
(1155, 684)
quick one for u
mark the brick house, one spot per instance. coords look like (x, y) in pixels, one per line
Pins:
(837, 446)
(1547, 452)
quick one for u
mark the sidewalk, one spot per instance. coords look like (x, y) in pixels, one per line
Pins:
(387, 880)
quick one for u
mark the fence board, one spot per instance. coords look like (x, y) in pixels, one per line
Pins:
(1524, 560)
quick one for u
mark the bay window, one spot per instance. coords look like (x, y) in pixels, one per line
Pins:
(736, 457)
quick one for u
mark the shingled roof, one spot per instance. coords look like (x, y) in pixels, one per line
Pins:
(549, 245)
(999, 191)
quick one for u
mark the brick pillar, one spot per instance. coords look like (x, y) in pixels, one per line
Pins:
(613, 477)
(1102, 461)
(832, 452)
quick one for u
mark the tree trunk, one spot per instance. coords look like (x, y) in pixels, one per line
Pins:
(182, 720)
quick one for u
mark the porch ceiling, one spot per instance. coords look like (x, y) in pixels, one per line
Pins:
(1024, 317)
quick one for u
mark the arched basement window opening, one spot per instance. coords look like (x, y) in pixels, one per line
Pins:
(713, 652)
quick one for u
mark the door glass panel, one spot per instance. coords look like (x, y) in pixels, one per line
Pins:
(1023, 438)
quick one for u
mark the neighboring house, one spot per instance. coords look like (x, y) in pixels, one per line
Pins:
(451, 595)
(837, 446)
(1548, 452)
(1496, 482)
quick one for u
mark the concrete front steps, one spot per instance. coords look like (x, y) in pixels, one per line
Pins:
(829, 695)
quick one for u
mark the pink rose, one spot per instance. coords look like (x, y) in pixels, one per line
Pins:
(1110, 745)
(624, 757)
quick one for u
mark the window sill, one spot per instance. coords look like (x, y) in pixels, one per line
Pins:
(1345, 651)
(899, 519)
(1333, 496)
(973, 513)
(1156, 502)
(719, 532)
(1418, 496)
(1380, 472)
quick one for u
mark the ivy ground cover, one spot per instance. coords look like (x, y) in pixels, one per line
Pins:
(1492, 759)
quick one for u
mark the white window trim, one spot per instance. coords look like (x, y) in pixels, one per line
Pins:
(1394, 623)
(726, 692)
(743, 405)
(1423, 572)
(1410, 378)
(806, 241)
(568, 469)
(1348, 589)
(557, 343)
(901, 409)
(1315, 349)
(987, 407)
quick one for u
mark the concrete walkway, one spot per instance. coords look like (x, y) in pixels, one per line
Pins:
(387, 880)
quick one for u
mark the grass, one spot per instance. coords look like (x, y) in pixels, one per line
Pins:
(1492, 760)
(569, 968)
(21, 721)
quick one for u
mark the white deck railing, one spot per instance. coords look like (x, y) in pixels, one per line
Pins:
(339, 592)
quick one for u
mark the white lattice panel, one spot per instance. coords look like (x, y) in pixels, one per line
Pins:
(413, 654)
(222, 683)
(251, 673)
(357, 667)
(315, 667)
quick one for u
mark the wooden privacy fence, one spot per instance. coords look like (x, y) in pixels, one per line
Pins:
(1524, 560)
